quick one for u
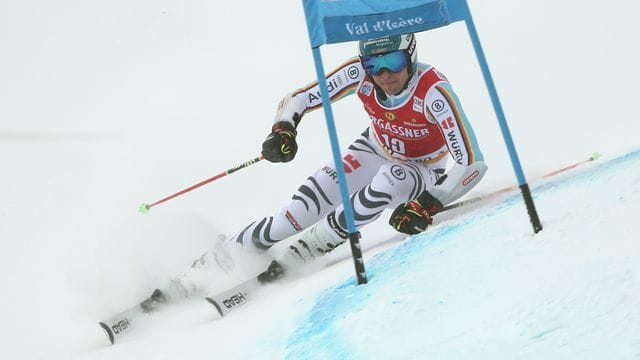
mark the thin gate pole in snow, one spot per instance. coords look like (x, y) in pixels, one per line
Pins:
(354, 235)
(504, 127)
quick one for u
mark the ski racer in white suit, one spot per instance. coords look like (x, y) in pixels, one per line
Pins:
(398, 162)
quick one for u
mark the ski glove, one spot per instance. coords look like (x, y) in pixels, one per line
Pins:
(414, 216)
(280, 145)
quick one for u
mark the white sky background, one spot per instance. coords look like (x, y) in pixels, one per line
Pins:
(107, 104)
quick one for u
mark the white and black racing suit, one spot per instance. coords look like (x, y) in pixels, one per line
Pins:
(403, 152)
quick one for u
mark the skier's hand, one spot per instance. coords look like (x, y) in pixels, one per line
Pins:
(280, 145)
(414, 216)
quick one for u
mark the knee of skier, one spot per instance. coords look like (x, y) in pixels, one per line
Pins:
(398, 181)
(315, 198)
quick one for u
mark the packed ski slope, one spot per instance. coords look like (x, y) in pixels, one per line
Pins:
(478, 286)
(481, 288)
(105, 105)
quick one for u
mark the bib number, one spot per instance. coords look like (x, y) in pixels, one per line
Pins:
(394, 144)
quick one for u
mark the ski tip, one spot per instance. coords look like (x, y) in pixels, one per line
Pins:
(595, 156)
(216, 305)
(108, 331)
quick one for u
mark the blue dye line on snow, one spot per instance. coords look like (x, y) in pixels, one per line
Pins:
(319, 335)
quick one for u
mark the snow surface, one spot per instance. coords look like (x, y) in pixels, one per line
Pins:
(108, 104)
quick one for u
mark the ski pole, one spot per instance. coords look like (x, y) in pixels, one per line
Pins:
(458, 204)
(144, 208)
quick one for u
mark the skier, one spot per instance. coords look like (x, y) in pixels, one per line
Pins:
(398, 162)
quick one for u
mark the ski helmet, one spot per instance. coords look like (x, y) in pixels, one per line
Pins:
(387, 44)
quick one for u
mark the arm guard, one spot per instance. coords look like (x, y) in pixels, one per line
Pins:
(458, 181)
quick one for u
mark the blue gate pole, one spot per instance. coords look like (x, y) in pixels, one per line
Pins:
(504, 127)
(354, 235)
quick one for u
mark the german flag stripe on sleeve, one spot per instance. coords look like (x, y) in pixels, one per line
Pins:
(337, 96)
(337, 91)
(333, 72)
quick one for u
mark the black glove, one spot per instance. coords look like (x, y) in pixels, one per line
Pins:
(414, 216)
(280, 145)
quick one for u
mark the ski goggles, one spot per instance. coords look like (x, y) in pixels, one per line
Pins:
(394, 61)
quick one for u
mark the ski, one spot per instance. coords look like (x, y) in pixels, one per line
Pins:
(237, 296)
(116, 326)
(234, 297)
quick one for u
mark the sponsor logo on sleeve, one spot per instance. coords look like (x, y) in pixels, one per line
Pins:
(454, 146)
(437, 106)
(353, 72)
(470, 178)
(314, 98)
